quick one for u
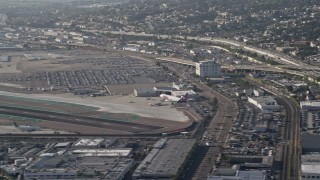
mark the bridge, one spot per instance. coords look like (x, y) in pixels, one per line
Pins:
(266, 68)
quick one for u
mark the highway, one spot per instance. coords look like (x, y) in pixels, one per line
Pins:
(267, 68)
(280, 57)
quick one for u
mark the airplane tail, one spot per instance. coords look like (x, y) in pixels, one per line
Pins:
(15, 124)
(184, 98)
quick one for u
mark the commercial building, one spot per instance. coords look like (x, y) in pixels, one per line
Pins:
(247, 159)
(265, 103)
(104, 152)
(208, 69)
(143, 92)
(310, 171)
(190, 93)
(131, 48)
(63, 145)
(89, 143)
(165, 160)
(182, 86)
(258, 92)
(308, 143)
(4, 59)
(68, 165)
(241, 175)
(310, 105)
(310, 166)
(35, 57)
(164, 90)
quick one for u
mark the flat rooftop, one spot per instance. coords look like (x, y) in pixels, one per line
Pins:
(103, 152)
(310, 103)
(71, 163)
(310, 168)
(89, 142)
(311, 158)
(267, 100)
(165, 161)
(241, 175)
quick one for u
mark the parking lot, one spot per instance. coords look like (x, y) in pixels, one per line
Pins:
(310, 122)
(79, 72)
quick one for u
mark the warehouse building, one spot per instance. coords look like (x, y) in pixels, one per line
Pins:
(182, 86)
(123, 152)
(241, 175)
(143, 92)
(310, 105)
(165, 160)
(4, 59)
(265, 103)
(190, 93)
(310, 166)
(87, 143)
(308, 143)
(69, 165)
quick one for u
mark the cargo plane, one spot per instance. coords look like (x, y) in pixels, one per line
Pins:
(181, 99)
(26, 127)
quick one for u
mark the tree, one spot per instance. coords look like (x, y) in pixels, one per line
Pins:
(4, 175)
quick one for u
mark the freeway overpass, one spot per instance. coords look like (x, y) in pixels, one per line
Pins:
(279, 57)
(239, 67)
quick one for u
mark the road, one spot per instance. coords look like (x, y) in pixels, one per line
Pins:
(217, 131)
(267, 68)
(280, 57)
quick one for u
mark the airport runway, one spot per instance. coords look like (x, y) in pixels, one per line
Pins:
(78, 119)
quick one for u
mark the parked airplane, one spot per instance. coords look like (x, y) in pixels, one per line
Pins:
(183, 98)
(26, 127)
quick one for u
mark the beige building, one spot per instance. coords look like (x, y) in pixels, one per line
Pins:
(208, 69)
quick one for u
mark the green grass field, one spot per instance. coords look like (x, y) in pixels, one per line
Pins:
(19, 118)
(44, 105)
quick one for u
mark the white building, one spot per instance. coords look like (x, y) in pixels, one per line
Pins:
(265, 103)
(144, 92)
(131, 48)
(93, 143)
(182, 86)
(208, 69)
(310, 171)
(258, 92)
(310, 166)
(190, 93)
(310, 105)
